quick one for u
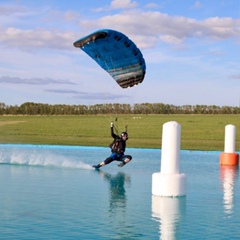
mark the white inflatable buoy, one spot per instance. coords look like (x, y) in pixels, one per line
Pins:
(169, 182)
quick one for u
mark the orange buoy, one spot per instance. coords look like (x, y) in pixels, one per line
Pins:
(229, 159)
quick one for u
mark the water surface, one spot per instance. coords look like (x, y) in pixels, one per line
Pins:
(52, 192)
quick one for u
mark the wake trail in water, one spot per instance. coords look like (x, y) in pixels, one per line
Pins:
(42, 159)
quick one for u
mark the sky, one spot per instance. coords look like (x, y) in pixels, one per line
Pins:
(191, 49)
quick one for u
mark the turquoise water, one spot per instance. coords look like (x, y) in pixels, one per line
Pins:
(52, 192)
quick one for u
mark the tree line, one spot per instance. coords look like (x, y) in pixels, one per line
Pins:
(30, 108)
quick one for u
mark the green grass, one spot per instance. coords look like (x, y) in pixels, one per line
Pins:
(198, 132)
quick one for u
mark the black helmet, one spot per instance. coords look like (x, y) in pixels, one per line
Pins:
(125, 134)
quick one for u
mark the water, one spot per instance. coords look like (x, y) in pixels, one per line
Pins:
(52, 192)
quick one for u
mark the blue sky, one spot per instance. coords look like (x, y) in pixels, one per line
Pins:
(191, 49)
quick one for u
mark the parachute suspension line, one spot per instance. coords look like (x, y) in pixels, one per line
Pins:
(116, 120)
(113, 67)
(115, 128)
(116, 114)
(98, 56)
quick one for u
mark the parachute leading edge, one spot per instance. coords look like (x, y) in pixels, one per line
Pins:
(116, 54)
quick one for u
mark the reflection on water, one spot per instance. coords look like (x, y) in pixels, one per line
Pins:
(117, 191)
(118, 213)
(228, 175)
(168, 212)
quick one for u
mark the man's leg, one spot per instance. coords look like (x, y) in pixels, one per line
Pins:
(125, 159)
(107, 161)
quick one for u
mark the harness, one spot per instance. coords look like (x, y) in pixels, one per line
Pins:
(116, 146)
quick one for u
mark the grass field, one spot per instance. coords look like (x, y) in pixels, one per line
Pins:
(198, 132)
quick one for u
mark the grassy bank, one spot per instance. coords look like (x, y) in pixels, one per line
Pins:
(199, 132)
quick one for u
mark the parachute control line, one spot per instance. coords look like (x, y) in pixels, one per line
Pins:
(229, 157)
(116, 54)
(169, 182)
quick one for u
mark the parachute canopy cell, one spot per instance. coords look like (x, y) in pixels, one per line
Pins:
(116, 54)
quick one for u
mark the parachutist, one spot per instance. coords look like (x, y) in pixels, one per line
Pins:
(117, 148)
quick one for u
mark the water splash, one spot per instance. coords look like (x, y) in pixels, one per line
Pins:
(41, 157)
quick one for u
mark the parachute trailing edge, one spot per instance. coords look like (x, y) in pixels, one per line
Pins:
(116, 54)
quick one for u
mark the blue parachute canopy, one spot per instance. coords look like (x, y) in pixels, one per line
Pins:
(116, 54)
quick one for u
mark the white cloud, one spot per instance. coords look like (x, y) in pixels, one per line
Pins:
(88, 95)
(12, 10)
(197, 5)
(37, 38)
(170, 39)
(152, 5)
(33, 81)
(170, 29)
(145, 28)
(71, 15)
(221, 28)
(237, 76)
(115, 4)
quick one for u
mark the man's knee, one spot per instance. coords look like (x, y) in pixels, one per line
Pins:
(127, 158)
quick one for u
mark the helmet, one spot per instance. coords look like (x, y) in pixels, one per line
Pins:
(125, 134)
